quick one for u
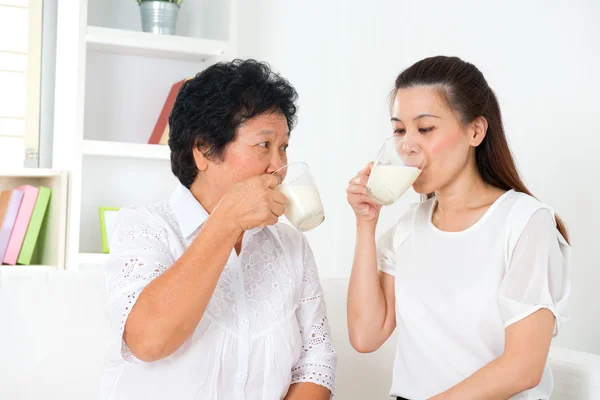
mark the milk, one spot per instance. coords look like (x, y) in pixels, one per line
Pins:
(303, 207)
(388, 183)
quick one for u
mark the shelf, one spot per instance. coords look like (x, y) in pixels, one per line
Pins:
(92, 258)
(120, 41)
(31, 173)
(25, 270)
(47, 271)
(126, 150)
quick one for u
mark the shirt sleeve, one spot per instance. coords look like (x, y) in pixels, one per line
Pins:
(139, 253)
(318, 360)
(538, 273)
(386, 256)
(392, 239)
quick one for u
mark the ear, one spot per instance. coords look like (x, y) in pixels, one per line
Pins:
(478, 131)
(200, 159)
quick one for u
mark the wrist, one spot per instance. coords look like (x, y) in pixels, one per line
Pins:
(368, 227)
(224, 223)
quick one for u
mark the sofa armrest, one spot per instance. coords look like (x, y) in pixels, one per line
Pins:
(576, 374)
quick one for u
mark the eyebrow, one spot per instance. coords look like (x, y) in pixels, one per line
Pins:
(418, 117)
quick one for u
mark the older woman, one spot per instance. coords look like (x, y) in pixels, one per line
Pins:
(210, 297)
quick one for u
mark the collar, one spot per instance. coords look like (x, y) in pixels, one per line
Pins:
(190, 214)
(188, 211)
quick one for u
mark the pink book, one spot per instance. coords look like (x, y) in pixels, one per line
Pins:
(15, 242)
(12, 199)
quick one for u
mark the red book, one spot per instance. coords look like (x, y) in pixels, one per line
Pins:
(160, 135)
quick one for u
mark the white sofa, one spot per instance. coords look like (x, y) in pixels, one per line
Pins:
(576, 374)
(52, 335)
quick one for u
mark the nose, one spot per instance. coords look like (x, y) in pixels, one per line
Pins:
(410, 153)
(277, 161)
(410, 148)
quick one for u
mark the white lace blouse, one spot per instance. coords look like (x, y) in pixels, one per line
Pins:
(264, 329)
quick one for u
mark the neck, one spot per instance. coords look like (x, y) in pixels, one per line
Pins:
(205, 195)
(467, 190)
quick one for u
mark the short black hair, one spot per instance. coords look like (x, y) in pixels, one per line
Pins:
(212, 105)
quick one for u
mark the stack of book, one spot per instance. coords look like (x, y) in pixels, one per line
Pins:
(22, 212)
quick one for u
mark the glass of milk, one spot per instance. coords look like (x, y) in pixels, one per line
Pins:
(396, 168)
(303, 208)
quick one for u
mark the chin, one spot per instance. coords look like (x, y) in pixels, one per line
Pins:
(421, 189)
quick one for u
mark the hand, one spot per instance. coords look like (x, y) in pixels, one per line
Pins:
(364, 207)
(253, 203)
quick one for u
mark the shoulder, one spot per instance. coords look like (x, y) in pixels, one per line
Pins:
(524, 210)
(529, 216)
(414, 210)
(137, 225)
(158, 214)
(416, 213)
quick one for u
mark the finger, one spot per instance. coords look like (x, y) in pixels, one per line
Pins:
(273, 219)
(277, 209)
(363, 208)
(357, 199)
(357, 189)
(363, 174)
(270, 181)
(278, 197)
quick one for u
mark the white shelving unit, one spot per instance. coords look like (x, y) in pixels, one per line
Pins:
(51, 245)
(121, 41)
(125, 150)
(111, 83)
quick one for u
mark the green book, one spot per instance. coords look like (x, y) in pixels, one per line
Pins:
(35, 225)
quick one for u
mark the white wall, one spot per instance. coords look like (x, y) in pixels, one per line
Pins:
(541, 58)
(343, 57)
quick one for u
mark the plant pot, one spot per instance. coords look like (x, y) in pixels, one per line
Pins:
(159, 17)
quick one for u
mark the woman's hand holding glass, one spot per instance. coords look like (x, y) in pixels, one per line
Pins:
(364, 207)
(253, 203)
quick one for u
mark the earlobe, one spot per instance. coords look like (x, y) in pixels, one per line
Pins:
(200, 159)
(479, 130)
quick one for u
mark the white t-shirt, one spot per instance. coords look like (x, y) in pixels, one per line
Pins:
(456, 292)
(265, 326)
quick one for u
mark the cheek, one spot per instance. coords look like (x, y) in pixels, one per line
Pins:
(445, 154)
(245, 165)
(445, 148)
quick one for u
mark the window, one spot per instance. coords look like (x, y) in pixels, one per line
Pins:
(20, 67)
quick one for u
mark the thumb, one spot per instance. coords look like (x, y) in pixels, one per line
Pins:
(367, 169)
(271, 181)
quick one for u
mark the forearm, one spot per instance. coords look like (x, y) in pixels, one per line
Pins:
(171, 306)
(307, 390)
(366, 300)
(499, 380)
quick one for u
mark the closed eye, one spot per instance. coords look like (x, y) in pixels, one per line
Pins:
(425, 130)
(399, 131)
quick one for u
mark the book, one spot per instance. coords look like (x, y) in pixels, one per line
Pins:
(10, 215)
(160, 134)
(35, 225)
(30, 194)
(4, 199)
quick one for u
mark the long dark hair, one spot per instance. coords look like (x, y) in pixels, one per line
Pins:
(466, 91)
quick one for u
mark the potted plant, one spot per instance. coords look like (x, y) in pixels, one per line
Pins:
(159, 16)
